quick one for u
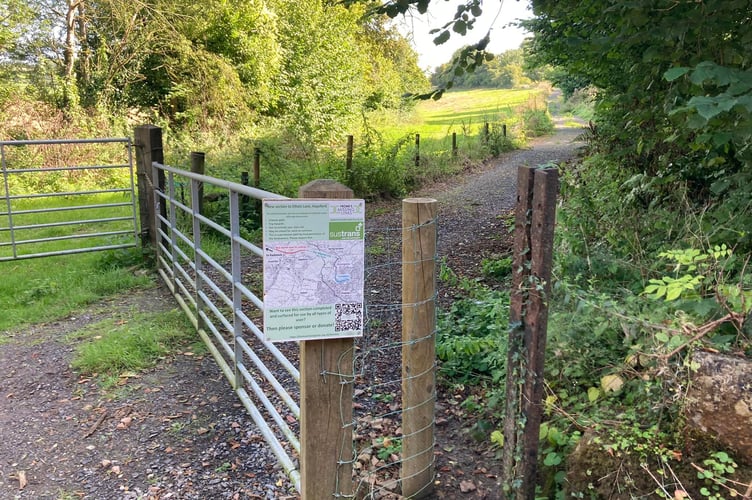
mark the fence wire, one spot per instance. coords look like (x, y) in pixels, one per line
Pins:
(217, 297)
(378, 410)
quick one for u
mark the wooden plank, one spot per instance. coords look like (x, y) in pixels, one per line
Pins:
(419, 348)
(326, 392)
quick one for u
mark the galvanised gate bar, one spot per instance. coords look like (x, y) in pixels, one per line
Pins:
(40, 207)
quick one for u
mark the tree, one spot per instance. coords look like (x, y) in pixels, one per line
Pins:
(15, 15)
(502, 71)
(625, 49)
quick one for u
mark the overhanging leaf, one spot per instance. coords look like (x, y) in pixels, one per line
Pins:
(675, 73)
(442, 38)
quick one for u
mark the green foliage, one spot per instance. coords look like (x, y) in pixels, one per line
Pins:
(499, 268)
(470, 339)
(537, 122)
(715, 474)
(115, 345)
(388, 446)
(502, 71)
(673, 97)
(52, 288)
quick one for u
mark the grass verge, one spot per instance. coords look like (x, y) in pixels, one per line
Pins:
(132, 342)
(41, 290)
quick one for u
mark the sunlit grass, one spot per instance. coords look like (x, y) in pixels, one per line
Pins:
(462, 111)
(132, 342)
(40, 290)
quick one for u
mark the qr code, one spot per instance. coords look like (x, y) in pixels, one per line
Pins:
(348, 317)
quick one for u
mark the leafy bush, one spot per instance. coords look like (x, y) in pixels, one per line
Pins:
(471, 335)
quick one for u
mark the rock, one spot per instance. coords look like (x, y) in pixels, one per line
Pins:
(719, 401)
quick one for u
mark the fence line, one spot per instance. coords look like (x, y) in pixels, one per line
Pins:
(349, 171)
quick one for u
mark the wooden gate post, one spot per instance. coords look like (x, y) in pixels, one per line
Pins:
(326, 392)
(418, 348)
(528, 316)
(349, 158)
(198, 166)
(148, 142)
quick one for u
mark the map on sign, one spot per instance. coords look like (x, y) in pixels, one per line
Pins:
(313, 268)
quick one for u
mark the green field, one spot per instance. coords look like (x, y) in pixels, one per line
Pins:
(460, 109)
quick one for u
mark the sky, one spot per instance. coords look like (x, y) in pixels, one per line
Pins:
(497, 14)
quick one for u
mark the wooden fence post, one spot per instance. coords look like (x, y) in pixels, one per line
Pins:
(418, 348)
(486, 132)
(326, 392)
(256, 167)
(417, 150)
(528, 317)
(454, 144)
(198, 160)
(148, 143)
(349, 158)
(504, 130)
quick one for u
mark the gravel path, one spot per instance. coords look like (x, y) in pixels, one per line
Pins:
(178, 431)
(474, 209)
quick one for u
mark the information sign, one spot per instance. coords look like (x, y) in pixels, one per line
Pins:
(313, 268)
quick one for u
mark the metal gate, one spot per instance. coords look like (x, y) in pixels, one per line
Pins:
(66, 197)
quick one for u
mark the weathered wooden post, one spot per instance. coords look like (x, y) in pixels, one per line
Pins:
(486, 133)
(528, 316)
(418, 348)
(198, 160)
(148, 143)
(349, 158)
(504, 130)
(417, 150)
(454, 144)
(256, 167)
(244, 199)
(326, 442)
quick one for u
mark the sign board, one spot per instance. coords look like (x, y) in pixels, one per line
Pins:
(313, 268)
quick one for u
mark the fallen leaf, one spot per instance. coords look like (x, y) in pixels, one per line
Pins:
(680, 495)
(611, 383)
(124, 423)
(467, 486)
(22, 480)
